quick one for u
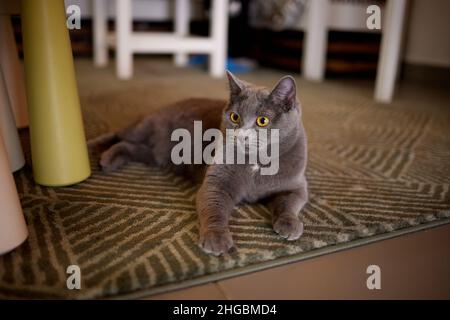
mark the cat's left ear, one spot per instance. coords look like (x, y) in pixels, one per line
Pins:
(285, 93)
(236, 85)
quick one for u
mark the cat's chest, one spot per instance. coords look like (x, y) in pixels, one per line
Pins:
(261, 185)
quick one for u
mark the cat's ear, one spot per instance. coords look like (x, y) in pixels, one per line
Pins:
(285, 93)
(236, 85)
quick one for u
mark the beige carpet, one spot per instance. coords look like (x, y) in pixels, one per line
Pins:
(374, 171)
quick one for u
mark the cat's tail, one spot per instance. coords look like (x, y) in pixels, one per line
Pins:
(103, 141)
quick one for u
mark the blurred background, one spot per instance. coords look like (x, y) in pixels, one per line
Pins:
(271, 33)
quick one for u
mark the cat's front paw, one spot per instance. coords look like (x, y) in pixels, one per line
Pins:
(289, 227)
(216, 242)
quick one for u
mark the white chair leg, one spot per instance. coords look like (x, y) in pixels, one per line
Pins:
(315, 50)
(182, 17)
(124, 53)
(13, 72)
(219, 34)
(100, 33)
(13, 228)
(390, 50)
(8, 128)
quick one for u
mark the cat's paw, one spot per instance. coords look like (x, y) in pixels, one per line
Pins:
(110, 162)
(288, 227)
(216, 242)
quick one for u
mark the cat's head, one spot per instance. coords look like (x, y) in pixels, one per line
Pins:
(256, 108)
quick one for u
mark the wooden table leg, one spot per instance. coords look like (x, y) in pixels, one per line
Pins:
(58, 144)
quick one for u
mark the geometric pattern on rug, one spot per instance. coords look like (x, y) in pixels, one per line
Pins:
(371, 170)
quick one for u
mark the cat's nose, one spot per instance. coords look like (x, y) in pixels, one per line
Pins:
(244, 136)
(243, 133)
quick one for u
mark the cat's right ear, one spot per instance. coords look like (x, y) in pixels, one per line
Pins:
(284, 93)
(236, 85)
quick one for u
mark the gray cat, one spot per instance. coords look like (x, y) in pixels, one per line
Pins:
(223, 186)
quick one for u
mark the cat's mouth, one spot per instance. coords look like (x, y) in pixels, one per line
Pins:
(249, 141)
(249, 146)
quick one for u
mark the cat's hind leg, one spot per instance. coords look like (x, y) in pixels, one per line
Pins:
(102, 142)
(121, 153)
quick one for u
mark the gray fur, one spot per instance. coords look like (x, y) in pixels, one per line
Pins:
(227, 185)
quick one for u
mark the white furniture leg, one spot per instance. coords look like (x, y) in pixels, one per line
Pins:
(13, 72)
(178, 43)
(316, 35)
(100, 33)
(13, 228)
(124, 48)
(219, 34)
(8, 128)
(182, 17)
(390, 50)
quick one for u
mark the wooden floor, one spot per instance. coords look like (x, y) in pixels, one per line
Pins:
(413, 266)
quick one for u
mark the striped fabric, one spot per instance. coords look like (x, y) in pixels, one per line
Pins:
(373, 169)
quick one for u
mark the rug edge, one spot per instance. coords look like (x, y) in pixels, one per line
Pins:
(277, 262)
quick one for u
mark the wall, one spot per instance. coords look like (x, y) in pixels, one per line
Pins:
(428, 33)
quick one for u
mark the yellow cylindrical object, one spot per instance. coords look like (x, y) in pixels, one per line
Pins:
(58, 144)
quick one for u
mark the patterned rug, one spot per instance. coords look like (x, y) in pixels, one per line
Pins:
(374, 170)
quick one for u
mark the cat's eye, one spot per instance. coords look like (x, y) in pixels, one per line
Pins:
(234, 117)
(262, 121)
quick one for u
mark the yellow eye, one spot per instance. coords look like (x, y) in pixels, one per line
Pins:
(262, 121)
(234, 117)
